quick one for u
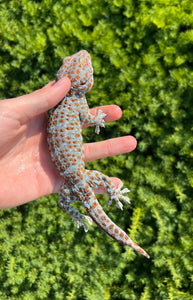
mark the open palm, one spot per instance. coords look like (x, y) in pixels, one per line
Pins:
(26, 169)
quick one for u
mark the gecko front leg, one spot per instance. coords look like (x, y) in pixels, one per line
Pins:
(100, 118)
(87, 117)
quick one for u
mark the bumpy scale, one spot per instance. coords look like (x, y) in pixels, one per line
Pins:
(66, 148)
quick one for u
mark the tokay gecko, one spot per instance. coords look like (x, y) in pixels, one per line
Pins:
(66, 148)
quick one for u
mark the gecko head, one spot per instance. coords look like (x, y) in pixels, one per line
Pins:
(78, 69)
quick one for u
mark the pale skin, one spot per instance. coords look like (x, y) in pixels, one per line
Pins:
(26, 169)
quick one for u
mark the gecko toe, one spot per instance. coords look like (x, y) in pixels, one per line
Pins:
(109, 202)
(88, 219)
(119, 204)
(125, 199)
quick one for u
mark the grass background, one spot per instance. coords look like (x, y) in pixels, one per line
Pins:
(142, 58)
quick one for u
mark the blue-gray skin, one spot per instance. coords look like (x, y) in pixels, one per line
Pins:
(66, 148)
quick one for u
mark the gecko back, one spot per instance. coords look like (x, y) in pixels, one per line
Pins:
(66, 148)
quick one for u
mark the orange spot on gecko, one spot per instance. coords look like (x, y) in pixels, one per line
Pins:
(140, 250)
(94, 204)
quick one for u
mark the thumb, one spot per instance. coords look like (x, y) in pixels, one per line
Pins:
(42, 100)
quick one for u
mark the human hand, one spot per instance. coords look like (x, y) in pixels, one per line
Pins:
(26, 169)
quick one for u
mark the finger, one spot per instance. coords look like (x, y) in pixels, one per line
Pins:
(109, 147)
(113, 113)
(51, 83)
(41, 100)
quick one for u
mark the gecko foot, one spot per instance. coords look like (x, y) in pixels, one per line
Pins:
(100, 120)
(79, 221)
(119, 195)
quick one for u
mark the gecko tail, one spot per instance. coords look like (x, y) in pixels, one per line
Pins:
(98, 215)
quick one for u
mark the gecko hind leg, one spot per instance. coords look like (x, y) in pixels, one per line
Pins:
(96, 179)
(66, 198)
